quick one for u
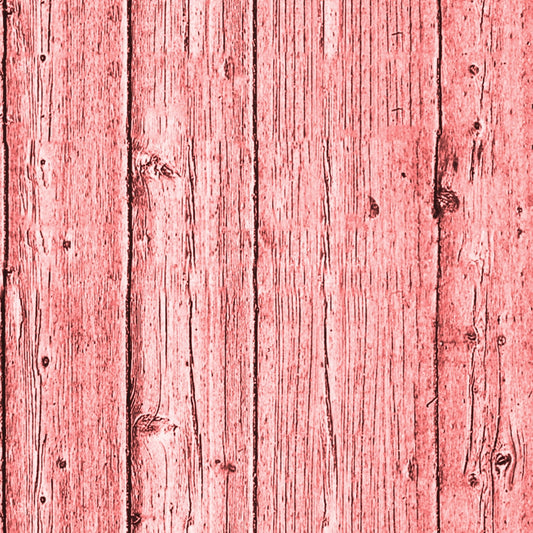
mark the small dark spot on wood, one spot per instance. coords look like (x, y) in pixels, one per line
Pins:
(455, 164)
(43, 57)
(519, 210)
(66, 245)
(411, 469)
(404, 175)
(45, 361)
(519, 232)
(135, 519)
(474, 69)
(501, 340)
(473, 480)
(374, 207)
(431, 401)
(477, 125)
(231, 467)
(217, 461)
(42, 499)
(61, 463)
(471, 335)
(447, 202)
(228, 68)
(43, 162)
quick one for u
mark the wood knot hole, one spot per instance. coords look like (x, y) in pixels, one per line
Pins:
(502, 461)
(228, 68)
(473, 481)
(471, 335)
(447, 202)
(374, 207)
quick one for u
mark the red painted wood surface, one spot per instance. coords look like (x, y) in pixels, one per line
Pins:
(347, 261)
(266, 266)
(485, 291)
(192, 314)
(65, 365)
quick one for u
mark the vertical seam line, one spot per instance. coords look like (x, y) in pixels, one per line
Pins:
(3, 365)
(437, 214)
(129, 263)
(255, 436)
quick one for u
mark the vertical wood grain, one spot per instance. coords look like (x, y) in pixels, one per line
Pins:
(192, 298)
(347, 120)
(65, 391)
(485, 291)
(3, 244)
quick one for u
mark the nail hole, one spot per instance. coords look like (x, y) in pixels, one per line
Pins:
(474, 69)
(61, 463)
(43, 57)
(501, 340)
(45, 361)
(477, 125)
(42, 499)
(43, 162)
(66, 245)
(404, 175)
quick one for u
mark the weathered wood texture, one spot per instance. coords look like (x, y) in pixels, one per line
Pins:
(485, 294)
(65, 393)
(3, 233)
(382, 382)
(347, 118)
(192, 298)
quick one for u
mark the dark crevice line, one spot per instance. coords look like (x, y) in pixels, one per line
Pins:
(5, 269)
(129, 267)
(255, 429)
(437, 211)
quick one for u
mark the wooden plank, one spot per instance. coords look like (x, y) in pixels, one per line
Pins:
(485, 293)
(65, 385)
(3, 247)
(347, 119)
(192, 298)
